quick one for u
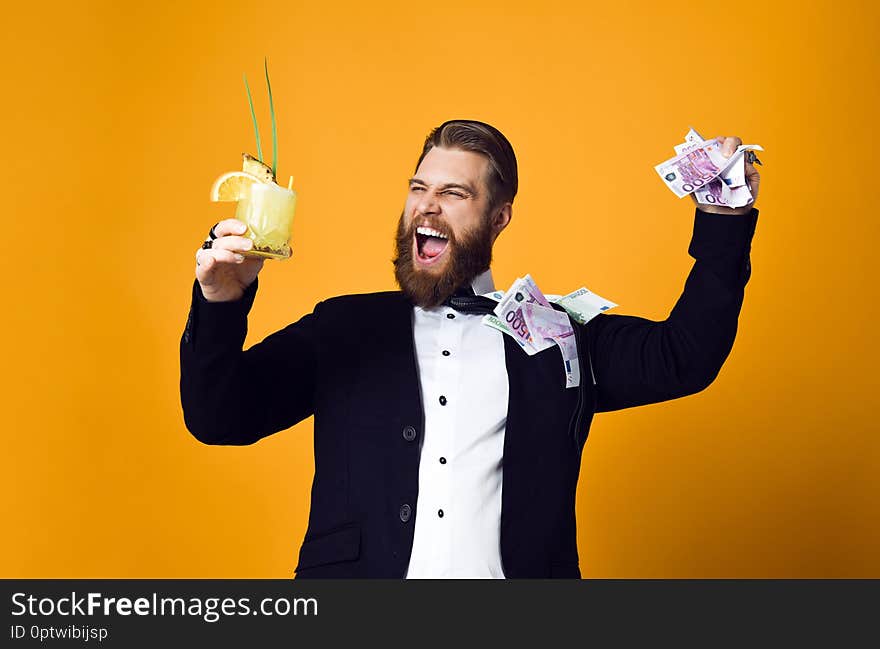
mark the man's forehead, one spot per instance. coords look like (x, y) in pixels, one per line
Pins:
(442, 166)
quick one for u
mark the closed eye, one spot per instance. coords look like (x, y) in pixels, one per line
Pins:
(457, 194)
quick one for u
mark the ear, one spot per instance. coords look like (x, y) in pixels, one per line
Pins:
(501, 219)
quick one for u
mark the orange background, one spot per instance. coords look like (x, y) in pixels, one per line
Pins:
(117, 119)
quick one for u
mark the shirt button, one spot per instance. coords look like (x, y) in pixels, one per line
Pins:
(451, 316)
(446, 352)
(405, 512)
(442, 400)
(440, 513)
(442, 460)
(409, 433)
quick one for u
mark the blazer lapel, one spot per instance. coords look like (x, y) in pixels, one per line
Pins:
(514, 455)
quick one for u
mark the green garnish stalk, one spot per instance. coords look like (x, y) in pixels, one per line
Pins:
(272, 114)
(254, 118)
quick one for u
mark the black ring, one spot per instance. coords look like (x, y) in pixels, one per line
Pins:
(208, 244)
(211, 231)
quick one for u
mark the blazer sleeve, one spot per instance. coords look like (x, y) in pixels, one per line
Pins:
(235, 397)
(637, 361)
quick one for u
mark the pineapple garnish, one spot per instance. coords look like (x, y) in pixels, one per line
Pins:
(253, 166)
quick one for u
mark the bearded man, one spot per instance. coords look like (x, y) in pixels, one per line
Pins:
(442, 449)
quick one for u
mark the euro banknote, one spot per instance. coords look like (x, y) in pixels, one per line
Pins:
(553, 327)
(699, 168)
(583, 305)
(525, 314)
(509, 311)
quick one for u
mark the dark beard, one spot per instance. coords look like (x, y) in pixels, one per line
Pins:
(469, 256)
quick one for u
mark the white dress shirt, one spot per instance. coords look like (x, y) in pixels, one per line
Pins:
(463, 378)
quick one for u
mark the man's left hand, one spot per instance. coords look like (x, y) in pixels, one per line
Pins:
(753, 178)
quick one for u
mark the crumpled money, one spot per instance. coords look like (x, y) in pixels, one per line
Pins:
(699, 168)
(525, 314)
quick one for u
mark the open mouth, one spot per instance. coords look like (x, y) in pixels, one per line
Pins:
(430, 245)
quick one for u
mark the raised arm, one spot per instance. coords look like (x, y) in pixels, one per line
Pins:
(639, 361)
(231, 396)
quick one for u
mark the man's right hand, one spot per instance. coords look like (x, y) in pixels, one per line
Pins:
(222, 271)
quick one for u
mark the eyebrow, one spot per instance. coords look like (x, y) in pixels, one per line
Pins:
(467, 188)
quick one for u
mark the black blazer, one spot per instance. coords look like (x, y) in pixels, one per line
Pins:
(351, 363)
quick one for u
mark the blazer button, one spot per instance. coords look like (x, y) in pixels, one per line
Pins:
(409, 433)
(405, 512)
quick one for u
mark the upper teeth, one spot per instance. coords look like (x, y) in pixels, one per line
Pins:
(430, 232)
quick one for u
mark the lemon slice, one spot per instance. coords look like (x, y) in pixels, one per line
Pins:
(233, 186)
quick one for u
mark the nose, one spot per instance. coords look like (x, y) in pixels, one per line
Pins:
(427, 204)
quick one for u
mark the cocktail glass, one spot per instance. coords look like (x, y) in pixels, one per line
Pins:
(268, 212)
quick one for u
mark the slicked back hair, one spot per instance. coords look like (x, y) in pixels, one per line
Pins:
(479, 137)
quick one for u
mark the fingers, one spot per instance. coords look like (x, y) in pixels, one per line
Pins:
(751, 170)
(232, 242)
(729, 145)
(219, 255)
(225, 249)
(229, 226)
(205, 266)
(207, 262)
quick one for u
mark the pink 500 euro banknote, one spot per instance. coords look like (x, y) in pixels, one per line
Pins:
(689, 171)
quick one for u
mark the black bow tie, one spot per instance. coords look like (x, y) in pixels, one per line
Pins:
(464, 300)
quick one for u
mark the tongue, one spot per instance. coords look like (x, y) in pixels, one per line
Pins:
(433, 246)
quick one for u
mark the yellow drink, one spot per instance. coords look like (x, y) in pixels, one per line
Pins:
(268, 212)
